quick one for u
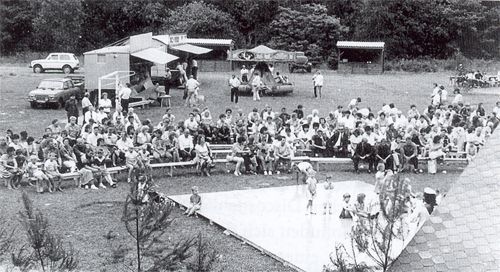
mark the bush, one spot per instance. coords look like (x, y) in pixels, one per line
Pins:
(420, 65)
(332, 60)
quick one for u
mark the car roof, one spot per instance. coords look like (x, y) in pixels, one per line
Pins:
(61, 53)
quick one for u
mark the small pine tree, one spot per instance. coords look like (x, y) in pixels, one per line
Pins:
(44, 250)
(147, 222)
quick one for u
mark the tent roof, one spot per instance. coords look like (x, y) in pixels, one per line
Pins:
(262, 49)
(110, 49)
(360, 45)
(155, 55)
(208, 42)
(193, 49)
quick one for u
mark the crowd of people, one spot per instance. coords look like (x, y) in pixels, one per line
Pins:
(263, 141)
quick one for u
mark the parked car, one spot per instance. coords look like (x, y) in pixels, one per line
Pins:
(55, 92)
(65, 62)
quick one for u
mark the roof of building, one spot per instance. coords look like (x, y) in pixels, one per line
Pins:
(213, 42)
(463, 233)
(360, 45)
(110, 49)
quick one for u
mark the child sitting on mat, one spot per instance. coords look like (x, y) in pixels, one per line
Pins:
(195, 200)
(347, 208)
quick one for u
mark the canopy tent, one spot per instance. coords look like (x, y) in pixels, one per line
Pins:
(154, 55)
(192, 49)
(262, 49)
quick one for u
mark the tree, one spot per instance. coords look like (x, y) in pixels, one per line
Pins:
(57, 26)
(376, 237)
(252, 19)
(15, 25)
(147, 220)
(199, 19)
(308, 28)
(43, 251)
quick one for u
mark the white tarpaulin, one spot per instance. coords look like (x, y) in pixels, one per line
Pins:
(155, 55)
(193, 49)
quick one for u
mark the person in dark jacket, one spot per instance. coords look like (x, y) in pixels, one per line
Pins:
(71, 108)
(364, 152)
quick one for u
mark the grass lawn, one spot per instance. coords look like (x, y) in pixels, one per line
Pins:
(84, 217)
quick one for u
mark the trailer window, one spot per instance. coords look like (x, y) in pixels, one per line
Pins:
(101, 58)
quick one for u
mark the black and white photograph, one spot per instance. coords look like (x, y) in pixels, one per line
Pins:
(249, 135)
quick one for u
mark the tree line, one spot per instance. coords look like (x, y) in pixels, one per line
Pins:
(411, 28)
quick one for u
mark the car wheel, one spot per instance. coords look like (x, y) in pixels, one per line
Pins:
(33, 105)
(67, 69)
(37, 69)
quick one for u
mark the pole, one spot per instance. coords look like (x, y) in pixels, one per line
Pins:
(138, 245)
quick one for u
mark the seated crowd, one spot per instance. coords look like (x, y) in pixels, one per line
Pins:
(262, 141)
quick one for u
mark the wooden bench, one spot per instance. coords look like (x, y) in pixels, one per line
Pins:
(172, 165)
(321, 160)
(143, 103)
(76, 175)
(221, 146)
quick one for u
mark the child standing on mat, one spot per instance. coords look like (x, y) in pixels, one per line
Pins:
(195, 201)
(347, 208)
(328, 195)
(311, 191)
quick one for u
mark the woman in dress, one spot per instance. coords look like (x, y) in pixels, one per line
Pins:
(203, 156)
(9, 170)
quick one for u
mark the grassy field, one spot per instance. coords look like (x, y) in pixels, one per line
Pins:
(84, 217)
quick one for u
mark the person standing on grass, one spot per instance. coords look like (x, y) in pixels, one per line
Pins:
(192, 86)
(194, 68)
(168, 78)
(105, 103)
(86, 104)
(256, 85)
(234, 83)
(125, 94)
(318, 81)
(71, 107)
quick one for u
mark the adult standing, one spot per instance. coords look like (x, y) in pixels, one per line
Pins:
(318, 81)
(85, 104)
(125, 97)
(256, 84)
(234, 83)
(168, 78)
(194, 68)
(191, 87)
(244, 73)
(71, 108)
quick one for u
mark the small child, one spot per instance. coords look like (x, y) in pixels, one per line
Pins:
(51, 170)
(195, 200)
(145, 159)
(347, 209)
(328, 195)
(379, 177)
(268, 160)
(311, 191)
(132, 162)
(33, 169)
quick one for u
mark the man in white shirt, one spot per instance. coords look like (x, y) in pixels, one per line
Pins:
(125, 94)
(186, 146)
(90, 114)
(234, 83)
(318, 81)
(191, 124)
(192, 88)
(244, 74)
(85, 105)
(93, 137)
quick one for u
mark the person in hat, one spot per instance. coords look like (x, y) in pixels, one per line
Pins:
(195, 202)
